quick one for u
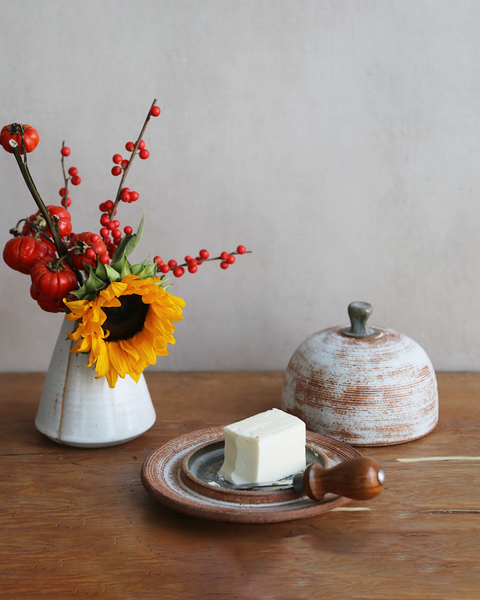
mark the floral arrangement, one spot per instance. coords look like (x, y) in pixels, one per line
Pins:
(123, 313)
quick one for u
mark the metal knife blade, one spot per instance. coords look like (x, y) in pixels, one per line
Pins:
(284, 483)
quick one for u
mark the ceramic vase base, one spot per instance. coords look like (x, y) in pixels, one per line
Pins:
(77, 409)
(90, 445)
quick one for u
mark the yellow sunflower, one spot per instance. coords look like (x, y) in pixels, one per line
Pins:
(125, 327)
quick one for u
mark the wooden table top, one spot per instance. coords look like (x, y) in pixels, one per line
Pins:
(78, 523)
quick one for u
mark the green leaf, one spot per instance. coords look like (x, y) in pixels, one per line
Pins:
(101, 272)
(93, 283)
(120, 251)
(112, 274)
(83, 294)
(148, 270)
(80, 293)
(118, 266)
(122, 266)
(129, 242)
(138, 268)
(152, 270)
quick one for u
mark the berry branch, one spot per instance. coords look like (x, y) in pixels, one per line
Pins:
(128, 163)
(192, 264)
(73, 177)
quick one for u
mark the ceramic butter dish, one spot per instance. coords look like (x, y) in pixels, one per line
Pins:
(362, 385)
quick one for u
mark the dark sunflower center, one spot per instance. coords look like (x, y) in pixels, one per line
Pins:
(124, 321)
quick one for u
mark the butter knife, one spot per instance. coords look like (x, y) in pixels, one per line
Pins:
(357, 478)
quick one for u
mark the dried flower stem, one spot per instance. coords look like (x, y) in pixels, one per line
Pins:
(51, 224)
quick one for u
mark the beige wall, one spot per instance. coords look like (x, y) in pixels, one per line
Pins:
(339, 140)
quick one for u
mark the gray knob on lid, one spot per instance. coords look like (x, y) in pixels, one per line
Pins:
(359, 312)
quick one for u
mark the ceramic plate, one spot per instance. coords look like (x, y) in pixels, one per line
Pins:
(164, 479)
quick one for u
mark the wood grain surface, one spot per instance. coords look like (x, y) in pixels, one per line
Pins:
(77, 523)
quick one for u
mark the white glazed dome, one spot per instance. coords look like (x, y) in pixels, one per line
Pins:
(366, 387)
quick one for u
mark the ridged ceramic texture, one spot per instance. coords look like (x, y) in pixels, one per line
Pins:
(78, 410)
(364, 391)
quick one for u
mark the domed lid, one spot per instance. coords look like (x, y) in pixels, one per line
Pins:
(363, 385)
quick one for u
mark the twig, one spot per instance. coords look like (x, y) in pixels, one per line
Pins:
(134, 151)
(51, 224)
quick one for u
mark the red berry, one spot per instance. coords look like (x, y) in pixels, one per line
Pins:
(172, 263)
(129, 146)
(164, 268)
(65, 151)
(73, 171)
(103, 259)
(178, 271)
(102, 207)
(116, 171)
(188, 258)
(95, 238)
(144, 154)
(107, 240)
(241, 249)
(141, 145)
(128, 230)
(192, 268)
(109, 204)
(230, 259)
(104, 232)
(155, 111)
(157, 260)
(125, 197)
(116, 223)
(224, 264)
(117, 158)
(116, 233)
(62, 192)
(204, 254)
(76, 180)
(90, 254)
(110, 225)
(125, 163)
(199, 261)
(224, 255)
(104, 220)
(134, 196)
(125, 189)
(69, 201)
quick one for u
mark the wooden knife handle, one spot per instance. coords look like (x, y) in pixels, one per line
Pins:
(357, 478)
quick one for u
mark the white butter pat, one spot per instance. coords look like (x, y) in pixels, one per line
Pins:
(266, 447)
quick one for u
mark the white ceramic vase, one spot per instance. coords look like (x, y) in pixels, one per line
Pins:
(78, 410)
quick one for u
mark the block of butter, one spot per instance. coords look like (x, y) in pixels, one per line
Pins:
(265, 447)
